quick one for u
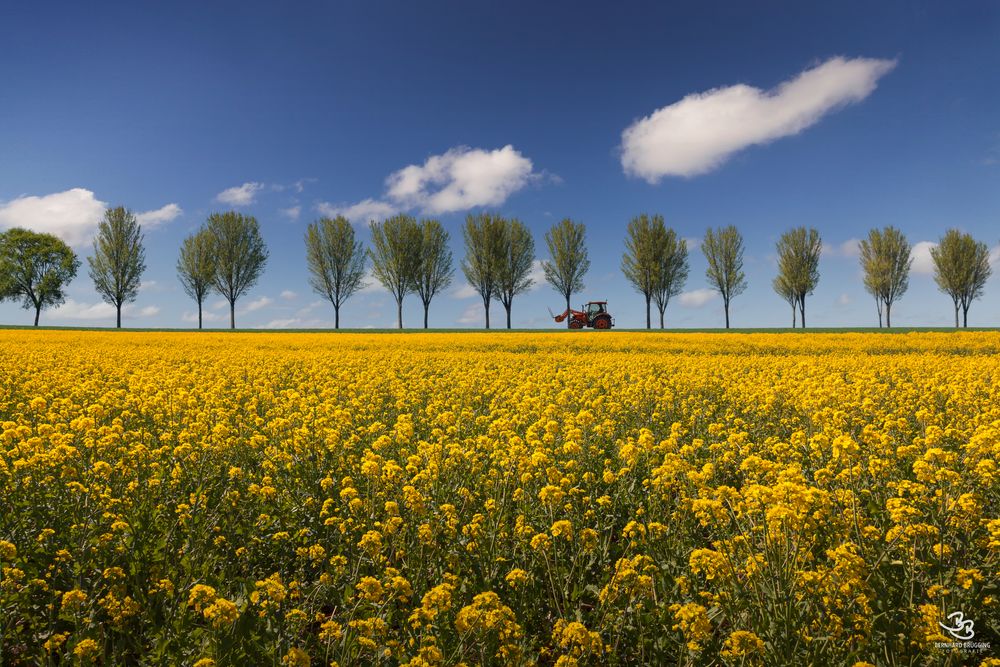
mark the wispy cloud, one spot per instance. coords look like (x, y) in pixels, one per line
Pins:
(361, 212)
(849, 248)
(160, 216)
(240, 195)
(700, 132)
(696, 298)
(257, 304)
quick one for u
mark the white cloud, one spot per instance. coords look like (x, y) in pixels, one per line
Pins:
(292, 212)
(464, 291)
(844, 299)
(162, 215)
(147, 285)
(72, 215)
(241, 195)
(206, 316)
(473, 314)
(288, 295)
(701, 131)
(219, 304)
(923, 263)
(283, 323)
(72, 309)
(697, 298)
(460, 179)
(849, 248)
(311, 306)
(537, 275)
(372, 285)
(692, 242)
(994, 255)
(362, 212)
(257, 304)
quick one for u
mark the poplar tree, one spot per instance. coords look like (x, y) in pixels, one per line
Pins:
(336, 261)
(961, 269)
(516, 260)
(798, 253)
(196, 267)
(395, 255)
(723, 250)
(673, 271)
(568, 259)
(885, 260)
(240, 256)
(484, 253)
(434, 269)
(119, 259)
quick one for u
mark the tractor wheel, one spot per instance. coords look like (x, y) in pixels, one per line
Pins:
(603, 322)
(576, 324)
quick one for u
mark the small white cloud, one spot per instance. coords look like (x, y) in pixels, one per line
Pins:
(692, 242)
(923, 262)
(537, 275)
(372, 285)
(473, 314)
(219, 304)
(292, 212)
(72, 309)
(160, 216)
(288, 295)
(697, 298)
(72, 215)
(849, 248)
(257, 304)
(283, 323)
(362, 212)
(149, 311)
(994, 255)
(147, 285)
(844, 299)
(464, 291)
(701, 131)
(206, 316)
(310, 307)
(240, 195)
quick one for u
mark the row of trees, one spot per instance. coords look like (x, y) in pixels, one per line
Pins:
(227, 255)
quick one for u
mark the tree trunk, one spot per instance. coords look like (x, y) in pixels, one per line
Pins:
(726, 308)
(802, 309)
(336, 316)
(399, 313)
(965, 317)
(888, 315)
(232, 314)
(648, 326)
(38, 311)
(199, 315)
(507, 307)
(956, 314)
(118, 323)
(569, 313)
(486, 307)
(661, 316)
(794, 320)
(427, 307)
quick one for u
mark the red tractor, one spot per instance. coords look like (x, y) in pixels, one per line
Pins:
(595, 314)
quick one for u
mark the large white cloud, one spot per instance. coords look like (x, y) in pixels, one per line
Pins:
(460, 179)
(240, 195)
(72, 215)
(457, 180)
(701, 131)
(161, 216)
(697, 298)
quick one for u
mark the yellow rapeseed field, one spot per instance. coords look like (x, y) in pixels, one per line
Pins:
(552, 498)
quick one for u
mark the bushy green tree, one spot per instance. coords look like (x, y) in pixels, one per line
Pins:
(395, 255)
(434, 268)
(240, 255)
(35, 269)
(516, 260)
(723, 250)
(568, 260)
(119, 259)
(336, 261)
(196, 267)
(798, 253)
(885, 261)
(961, 269)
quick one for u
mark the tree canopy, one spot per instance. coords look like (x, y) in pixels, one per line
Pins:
(119, 259)
(35, 269)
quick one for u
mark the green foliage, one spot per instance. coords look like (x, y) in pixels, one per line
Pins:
(434, 268)
(886, 260)
(119, 259)
(336, 261)
(655, 262)
(196, 267)
(395, 255)
(484, 235)
(516, 260)
(961, 269)
(798, 253)
(240, 255)
(568, 260)
(723, 250)
(35, 268)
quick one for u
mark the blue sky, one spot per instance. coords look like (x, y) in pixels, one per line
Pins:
(842, 117)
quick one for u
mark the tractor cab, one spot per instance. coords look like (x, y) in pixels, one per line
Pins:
(594, 308)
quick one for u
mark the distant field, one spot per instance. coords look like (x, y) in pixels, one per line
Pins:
(484, 498)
